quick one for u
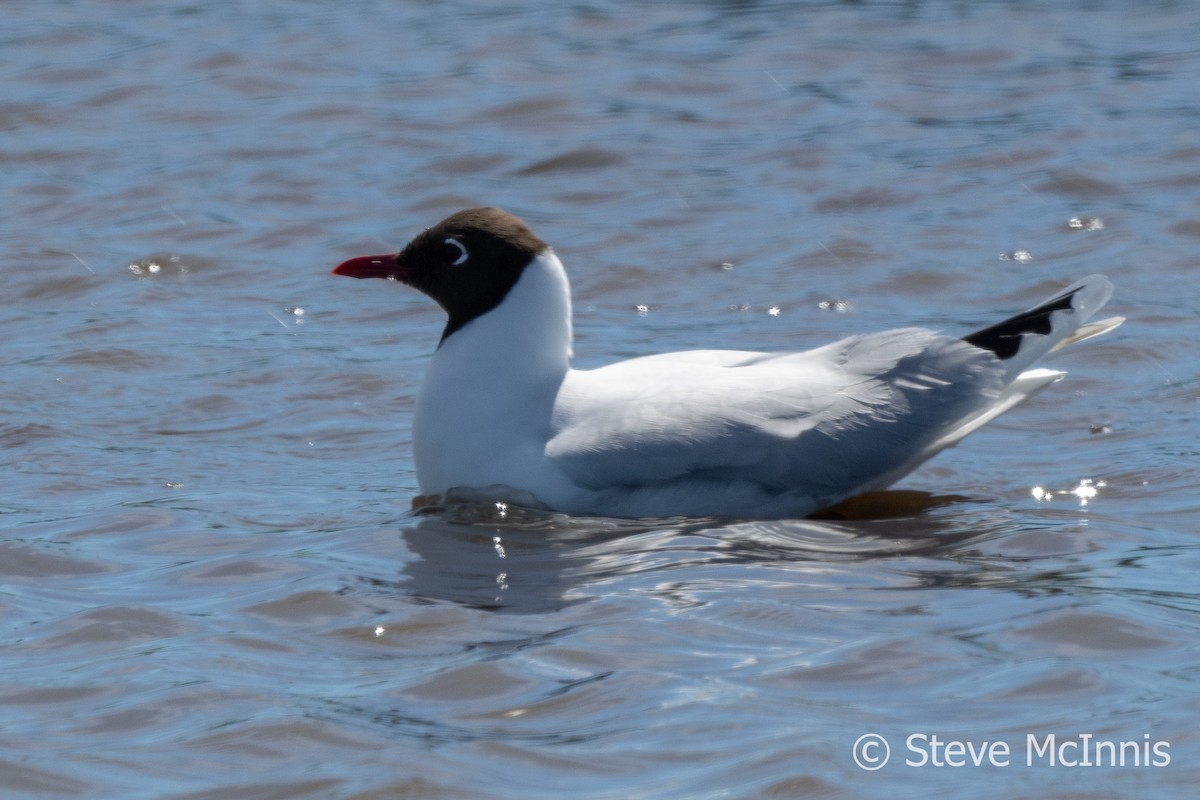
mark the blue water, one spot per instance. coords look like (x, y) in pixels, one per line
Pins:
(210, 581)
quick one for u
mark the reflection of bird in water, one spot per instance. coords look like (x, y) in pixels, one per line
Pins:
(506, 559)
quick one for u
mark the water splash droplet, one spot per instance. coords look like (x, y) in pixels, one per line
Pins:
(1085, 224)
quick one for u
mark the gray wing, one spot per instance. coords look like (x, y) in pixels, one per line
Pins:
(824, 422)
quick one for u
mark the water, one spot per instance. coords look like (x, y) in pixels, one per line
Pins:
(212, 585)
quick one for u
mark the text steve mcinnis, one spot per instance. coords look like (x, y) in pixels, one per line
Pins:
(1053, 750)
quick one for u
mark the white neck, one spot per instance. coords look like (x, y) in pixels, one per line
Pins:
(493, 380)
(529, 332)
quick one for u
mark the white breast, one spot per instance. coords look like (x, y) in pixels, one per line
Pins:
(484, 410)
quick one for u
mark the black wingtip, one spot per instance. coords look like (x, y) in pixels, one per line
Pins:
(1004, 338)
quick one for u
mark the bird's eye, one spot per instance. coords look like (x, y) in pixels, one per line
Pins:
(453, 252)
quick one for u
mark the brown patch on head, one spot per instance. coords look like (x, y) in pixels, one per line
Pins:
(491, 222)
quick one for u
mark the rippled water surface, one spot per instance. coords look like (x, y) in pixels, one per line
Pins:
(212, 586)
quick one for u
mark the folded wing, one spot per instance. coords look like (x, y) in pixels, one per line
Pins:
(850, 417)
(821, 423)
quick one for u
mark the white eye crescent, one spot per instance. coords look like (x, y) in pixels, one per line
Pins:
(454, 252)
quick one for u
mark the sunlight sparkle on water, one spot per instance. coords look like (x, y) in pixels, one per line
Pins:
(1085, 491)
(151, 266)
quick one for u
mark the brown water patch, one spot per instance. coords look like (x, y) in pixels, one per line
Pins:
(20, 561)
(24, 779)
(115, 357)
(1073, 183)
(1080, 633)
(588, 158)
(309, 608)
(861, 200)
